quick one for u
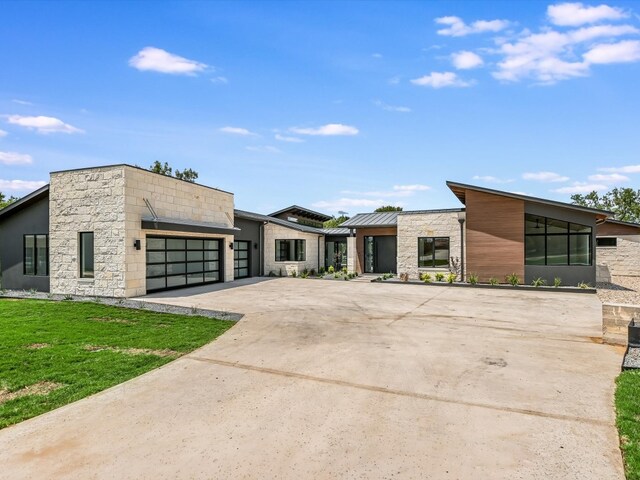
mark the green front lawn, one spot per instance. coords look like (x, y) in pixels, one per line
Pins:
(54, 353)
(628, 421)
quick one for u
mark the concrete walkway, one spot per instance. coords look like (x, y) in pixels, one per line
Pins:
(327, 379)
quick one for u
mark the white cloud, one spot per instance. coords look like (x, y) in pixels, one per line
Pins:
(457, 28)
(20, 185)
(347, 203)
(3, 133)
(621, 52)
(491, 179)
(330, 129)
(284, 138)
(545, 177)
(608, 178)
(391, 108)
(625, 169)
(376, 55)
(15, 158)
(263, 149)
(550, 56)
(581, 187)
(573, 14)
(158, 60)
(411, 188)
(43, 124)
(21, 102)
(465, 60)
(220, 79)
(237, 131)
(440, 80)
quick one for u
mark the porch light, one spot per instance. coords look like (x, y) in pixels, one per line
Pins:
(462, 216)
(137, 245)
(230, 245)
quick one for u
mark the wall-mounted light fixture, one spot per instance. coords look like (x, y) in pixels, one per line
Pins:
(230, 245)
(255, 245)
(137, 244)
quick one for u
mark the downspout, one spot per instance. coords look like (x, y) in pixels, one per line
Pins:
(319, 252)
(261, 255)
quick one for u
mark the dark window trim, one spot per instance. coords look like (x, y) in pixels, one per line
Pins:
(613, 242)
(236, 244)
(296, 250)
(568, 234)
(433, 255)
(80, 257)
(35, 254)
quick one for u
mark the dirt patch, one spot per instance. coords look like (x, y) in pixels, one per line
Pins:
(37, 346)
(40, 388)
(110, 320)
(495, 362)
(134, 351)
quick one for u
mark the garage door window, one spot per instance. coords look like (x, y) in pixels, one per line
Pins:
(179, 262)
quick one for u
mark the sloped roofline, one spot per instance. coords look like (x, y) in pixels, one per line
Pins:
(25, 201)
(312, 213)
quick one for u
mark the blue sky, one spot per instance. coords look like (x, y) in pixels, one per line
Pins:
(330, 105)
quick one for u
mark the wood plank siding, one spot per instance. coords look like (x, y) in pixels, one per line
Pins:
(495, 236)
(607, 229)
(369, 232)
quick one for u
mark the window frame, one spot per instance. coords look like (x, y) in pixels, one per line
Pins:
(433, 255)
(569, 234)
(299, 250)
(35, 273)
(81, 256)
(615, 242)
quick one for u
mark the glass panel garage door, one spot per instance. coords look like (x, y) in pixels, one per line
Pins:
(241, 259)
(174, 262)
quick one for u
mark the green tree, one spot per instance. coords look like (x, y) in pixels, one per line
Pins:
(623, 202)
(388, 208)
(335, 221)
(4, 201)
(187, 174)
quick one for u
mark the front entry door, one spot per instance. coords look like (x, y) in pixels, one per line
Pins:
(380, 254)
(241, 265)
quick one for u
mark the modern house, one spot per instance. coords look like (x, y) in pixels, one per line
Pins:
(122, 231)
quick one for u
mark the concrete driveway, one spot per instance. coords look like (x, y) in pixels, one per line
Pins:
(329, 379)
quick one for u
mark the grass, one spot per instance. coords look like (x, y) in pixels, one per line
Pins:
(628, 421)
(44, 345)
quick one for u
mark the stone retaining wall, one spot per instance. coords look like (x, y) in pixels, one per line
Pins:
(615, 320)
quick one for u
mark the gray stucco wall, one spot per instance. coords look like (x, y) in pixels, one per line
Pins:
(570, 275)
(250, 231)
(33, 219)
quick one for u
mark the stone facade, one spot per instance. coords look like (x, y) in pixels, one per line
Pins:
(621, 260)
(615, 322)
(314, 250)
(411, 226)
(109, 201)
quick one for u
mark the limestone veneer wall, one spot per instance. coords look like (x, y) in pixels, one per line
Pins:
(109, 201)
(273, 232)
(174, 199)
(621, 260)
(411, 226)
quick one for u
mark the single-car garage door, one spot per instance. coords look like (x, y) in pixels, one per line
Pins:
(176, 262)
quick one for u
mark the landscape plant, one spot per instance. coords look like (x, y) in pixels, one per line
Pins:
(513, 279)
(557, 281)
(331, 269)
(426, 277)
(439, 276)
(493, 281)
(451, 277)
(539, 282)
(584, 285)
(473, 279)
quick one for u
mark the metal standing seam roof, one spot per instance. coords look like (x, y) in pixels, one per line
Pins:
(378, 219)
(336, 231)
(258, 217)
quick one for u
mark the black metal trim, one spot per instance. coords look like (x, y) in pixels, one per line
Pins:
(568, 234)
(80, 257)
(248, 250)
(35, 254)
(181, 227)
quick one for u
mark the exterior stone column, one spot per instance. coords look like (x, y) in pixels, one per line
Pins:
(351, 254)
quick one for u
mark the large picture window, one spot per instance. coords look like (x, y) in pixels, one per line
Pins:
(86, 255)
(36, 255)
(555, 242)
(433, 252)
(291, 250)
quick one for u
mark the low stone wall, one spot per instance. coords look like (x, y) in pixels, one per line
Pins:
(615, 320)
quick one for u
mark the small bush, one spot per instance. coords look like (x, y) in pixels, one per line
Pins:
(280, 273)
(539, 282)
(331, 269)
(336, 275)
(344, 270)
(305, 271)
(557, 282)
(294, 274)
(473, 279)
(312, 272)
(451, 277)
(426, 277)
(272, 273)
(584, 285)
(513, 279)
(493, 281)
(321, 270)
(439, 276)
(304, 274)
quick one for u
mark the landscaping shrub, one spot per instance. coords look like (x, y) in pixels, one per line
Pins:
(473, 279)
(513, 279)
(557, 282)
(539, 282)
(451, 277)
(493, 281)
(439, 276)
